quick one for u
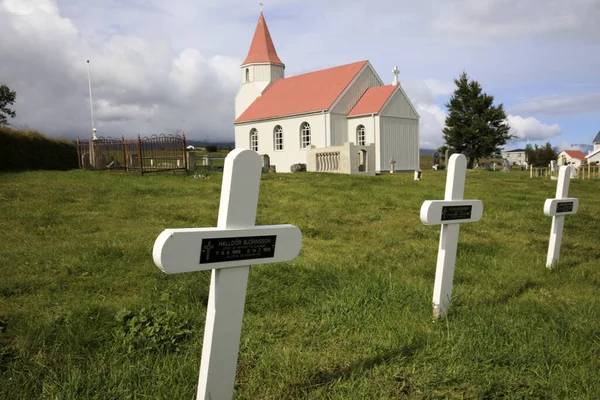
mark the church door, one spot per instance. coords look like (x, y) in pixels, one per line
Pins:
(362, 161)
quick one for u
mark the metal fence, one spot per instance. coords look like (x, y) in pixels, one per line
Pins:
(149, 154)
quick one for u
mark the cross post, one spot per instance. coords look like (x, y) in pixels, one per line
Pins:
(450, 213)
(227, 250)
(395, 71)
(557, 208)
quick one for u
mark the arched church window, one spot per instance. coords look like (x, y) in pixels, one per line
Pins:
(247, 74)
(278, 137)
(305, 135)
(360, 135)
(254, 139)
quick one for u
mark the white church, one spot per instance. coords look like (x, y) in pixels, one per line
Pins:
(341, 119)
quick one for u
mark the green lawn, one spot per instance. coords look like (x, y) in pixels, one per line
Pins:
(85, 313)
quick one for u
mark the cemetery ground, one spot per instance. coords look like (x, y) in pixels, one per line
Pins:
(85, 313)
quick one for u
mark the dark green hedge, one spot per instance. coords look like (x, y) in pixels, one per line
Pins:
(28, 150)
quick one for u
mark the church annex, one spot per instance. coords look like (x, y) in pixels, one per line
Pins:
(341, 119)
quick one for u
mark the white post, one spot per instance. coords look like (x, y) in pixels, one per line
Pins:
(450, 212)
(558, 209)
(239, 200)
(444, 274)
(227, 250)
(91, 103)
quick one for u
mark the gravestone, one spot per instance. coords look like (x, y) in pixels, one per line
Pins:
(552, 165)
(392, 166)
(191, 160)
(435, 161)
(488, 166)
(418, 174)
(449, 154)
(227, 250)
(85, 161)
(450, 213)
(266, 163)
(557, 208)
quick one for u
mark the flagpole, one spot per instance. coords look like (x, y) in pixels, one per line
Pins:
(91, 103)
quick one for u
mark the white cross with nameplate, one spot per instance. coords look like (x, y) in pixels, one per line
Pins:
(557, 208)
(450, 213)
(227, 250)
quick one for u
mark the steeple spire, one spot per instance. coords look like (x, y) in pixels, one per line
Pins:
(262, 49)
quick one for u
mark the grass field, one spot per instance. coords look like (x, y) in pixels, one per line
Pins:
(85, 313)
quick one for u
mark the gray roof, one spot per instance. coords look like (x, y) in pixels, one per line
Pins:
(597, 138)
(520, 150)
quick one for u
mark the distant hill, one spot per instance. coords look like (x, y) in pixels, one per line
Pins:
(426, 152)
(201, 143)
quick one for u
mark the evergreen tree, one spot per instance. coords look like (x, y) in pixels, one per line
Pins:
(474, 125)
(7, 97)
(540, 156)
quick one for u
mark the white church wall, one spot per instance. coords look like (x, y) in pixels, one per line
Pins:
(399, 106)
(339, 129)
(400, 141)
(352, 125)
(259, 77)
(292, 152)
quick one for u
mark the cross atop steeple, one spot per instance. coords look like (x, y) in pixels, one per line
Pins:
(396, 71)
(261, 6)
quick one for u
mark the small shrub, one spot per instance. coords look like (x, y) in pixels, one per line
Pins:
(151, 330)
(211, 148)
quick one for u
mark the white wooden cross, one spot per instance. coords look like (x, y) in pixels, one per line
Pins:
(227, 250)
(396, 71)
(557, 208)
(450, 213)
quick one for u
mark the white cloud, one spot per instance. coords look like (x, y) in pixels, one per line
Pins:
(564, 145)
(139, 85)
(531, 128)
(560, 104)
(439, 88)
(175, 65)
(486, 19)
(423, 94)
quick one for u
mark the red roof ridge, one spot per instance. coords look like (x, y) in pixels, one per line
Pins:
(262, 49)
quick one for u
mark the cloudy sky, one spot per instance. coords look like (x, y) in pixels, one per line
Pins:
(166, 66)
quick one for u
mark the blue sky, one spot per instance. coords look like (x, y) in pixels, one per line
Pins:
(161, 67)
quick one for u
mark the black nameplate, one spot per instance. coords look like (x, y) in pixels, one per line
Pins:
(451, 213)
(237, 248)
(565, 206)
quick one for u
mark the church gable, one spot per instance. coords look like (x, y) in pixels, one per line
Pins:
(399, 106)
(366, 79)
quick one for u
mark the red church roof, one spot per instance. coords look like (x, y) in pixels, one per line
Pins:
(372, 101)
(575, 154)
(314, 91)
(262, 48)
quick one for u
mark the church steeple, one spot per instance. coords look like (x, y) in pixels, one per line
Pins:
(262, 49)
(260, 69)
